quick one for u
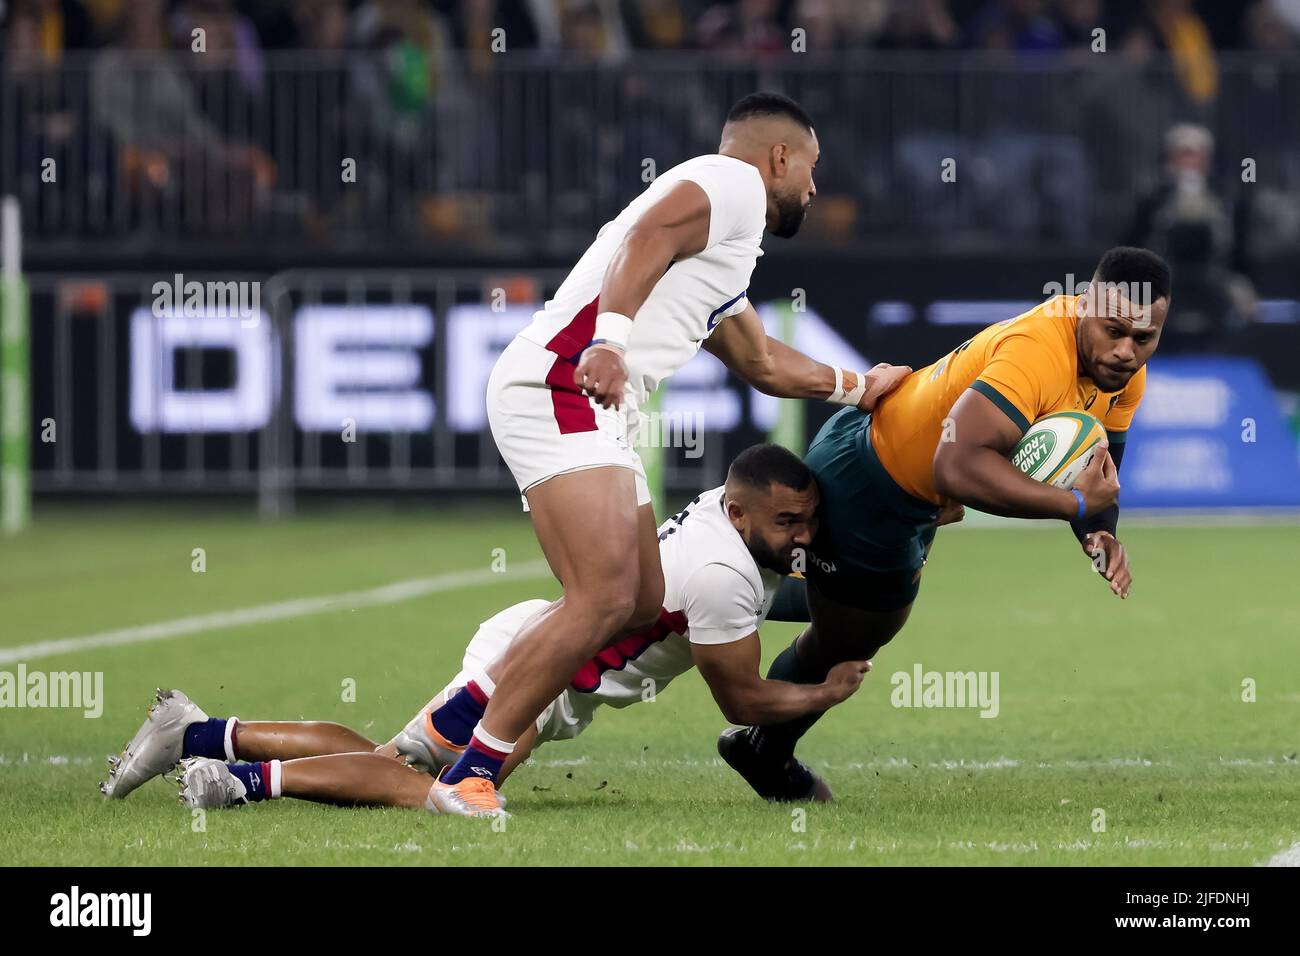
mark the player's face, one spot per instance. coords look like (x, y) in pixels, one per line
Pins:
(779, 524)
(1117, 334)
(794, 192)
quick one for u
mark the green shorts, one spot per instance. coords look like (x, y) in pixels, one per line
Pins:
(874, 536)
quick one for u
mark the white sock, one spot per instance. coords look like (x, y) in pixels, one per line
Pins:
(230, 739)
(487, 740)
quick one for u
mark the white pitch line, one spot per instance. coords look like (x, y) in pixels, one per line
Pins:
(279, 611)
(1288, 857)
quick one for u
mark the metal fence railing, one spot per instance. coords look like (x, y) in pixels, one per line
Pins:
(310, 380)
(120, 150)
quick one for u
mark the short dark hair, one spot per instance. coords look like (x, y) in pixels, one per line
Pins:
(758, 466)
(769, 104)
(1129, 264)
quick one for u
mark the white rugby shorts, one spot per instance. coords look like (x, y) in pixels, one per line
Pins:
(545, 426)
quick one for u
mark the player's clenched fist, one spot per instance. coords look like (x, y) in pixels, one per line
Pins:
(845, 678)
(881, 380)
(1099, 482)
(602, 374)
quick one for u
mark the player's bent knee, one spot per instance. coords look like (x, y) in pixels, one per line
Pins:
(614, 611)
(648, 605)
(642, 617)
(603, 609)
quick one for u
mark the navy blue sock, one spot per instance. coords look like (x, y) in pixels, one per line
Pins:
(478, 760)
(206, 739)
(256, 778)
(457, 718)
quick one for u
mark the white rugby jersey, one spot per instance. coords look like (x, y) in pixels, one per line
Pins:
(692, 297)
(714, 593)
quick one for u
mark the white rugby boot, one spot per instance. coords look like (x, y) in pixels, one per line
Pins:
(156, 746)
(423, 747)
(208, 784)
(472, 797)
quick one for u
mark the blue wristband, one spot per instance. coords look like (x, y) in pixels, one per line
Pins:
(1082, 508)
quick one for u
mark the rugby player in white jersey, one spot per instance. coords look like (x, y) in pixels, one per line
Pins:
(723, 557)
(667, 275)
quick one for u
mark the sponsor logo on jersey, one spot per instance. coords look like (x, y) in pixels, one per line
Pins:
(827, 567)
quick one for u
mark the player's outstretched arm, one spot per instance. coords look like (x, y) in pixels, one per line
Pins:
(774, 368)
(971, 465)
(745, 697)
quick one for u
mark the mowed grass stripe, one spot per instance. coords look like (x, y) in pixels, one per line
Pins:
(262, 613)
(73, 573)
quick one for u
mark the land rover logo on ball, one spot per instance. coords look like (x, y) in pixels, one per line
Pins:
(1035, 453)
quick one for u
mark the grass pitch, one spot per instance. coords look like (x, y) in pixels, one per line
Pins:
(1134, 709)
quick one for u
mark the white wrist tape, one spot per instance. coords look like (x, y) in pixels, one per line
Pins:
(853, 395)
(613, 328)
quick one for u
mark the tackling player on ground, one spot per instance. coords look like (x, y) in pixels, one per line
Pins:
(723, 556)
(941, 441)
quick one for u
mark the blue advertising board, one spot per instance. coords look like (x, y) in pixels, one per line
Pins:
(1209, 434)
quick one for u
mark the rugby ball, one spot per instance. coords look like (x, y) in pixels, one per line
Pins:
(1058, 447)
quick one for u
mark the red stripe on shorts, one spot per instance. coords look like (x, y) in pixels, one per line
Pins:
(577, 335)
(476, 692)
(573, 412)
(617, 655)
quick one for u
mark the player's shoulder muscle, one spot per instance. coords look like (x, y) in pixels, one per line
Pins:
(734, 190)
(675, 204)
